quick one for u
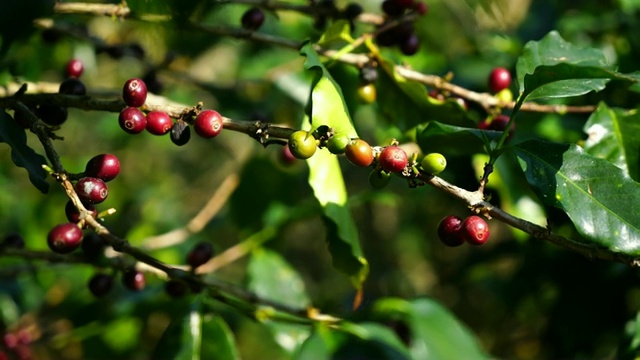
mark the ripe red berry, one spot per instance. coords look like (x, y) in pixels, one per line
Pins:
(134, 92)
(158, 122)
(74, 68)
(359, 153)
(72, 86)
(91, 190)
(200, 254)
(64, 238)
(449, 231)
(175, 288)
(499, 79)
(103, 166)
(73, 214)
(100, 284)
(252, 19)
(132, 120)
(133, 279)
(475, 230)
(208, 124)
(393, 159)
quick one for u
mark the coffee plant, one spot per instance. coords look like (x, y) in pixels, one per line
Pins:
(393, 179)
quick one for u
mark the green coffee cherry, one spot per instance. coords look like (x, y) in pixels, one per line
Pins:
(302, 144)
(434, 163)
(379, 179)
(338, 143)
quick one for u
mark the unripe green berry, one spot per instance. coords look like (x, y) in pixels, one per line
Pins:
(379, 179)
(434, 163)
(338, 143)
(302, 144)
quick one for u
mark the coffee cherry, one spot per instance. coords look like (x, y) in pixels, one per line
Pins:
(73, 214)
(286, 156)
(175, 288)
(72, 86)
(421, 8)
(133, 279)
(505, 96)
(132, 120)
(392, 8)
(74, 68)
(103, 166)
(475, 230)
(359, 153)
(158, 122)
(499, 79)
(393, 159)
(200, 254)
(208, 124)
(134, 92)
(91, 190)
(93, 246)
(410, 45)
(434, 163)
(64, 238)
(180, 133)
(100, 284)
(13, 241)
(500, 123)
(53, 115)
(449, 231)
(405, 3)
(302, 144)
(367, 93)
(252, 19)
(337, 144)
(379, 179)
(352, 11)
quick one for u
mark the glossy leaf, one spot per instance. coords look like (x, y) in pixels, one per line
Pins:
(614, 135)
(339, 31)
(407, 103)
(435, 333)
(454, 140)
(21, 154)
(218, 341)
(599, 197)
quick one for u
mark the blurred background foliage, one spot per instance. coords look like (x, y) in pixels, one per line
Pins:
(522, 298)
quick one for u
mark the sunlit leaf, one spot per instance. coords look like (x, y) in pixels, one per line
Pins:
(339, 31)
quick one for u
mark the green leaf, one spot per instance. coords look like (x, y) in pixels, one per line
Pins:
(407, 103)
(339, 31)
(435, 332)
(614, 135)
(599, 197)
(272, 278)
(218, 340)
(553, 67)
(454, 140)
(21, 154)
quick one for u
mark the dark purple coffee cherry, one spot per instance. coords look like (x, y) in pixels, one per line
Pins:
(93, 246)
(200, 254)
(73, 214)
(13, 241)
(449, 231)
(133, 279)
(180, 133)
(352, 11)
(158, 122)
(175, 288)
(52, 114)
(410, 45)
(208, 124)
(134, 92)
(64, 238)
(475, 230)
(132, 120)
(91, 190)
(72, 86)
(252, 19)
(74, 68)
(100, 284)
(103, 166)
(392, 8)
(499, 79)
(154, 85)
(393, 159)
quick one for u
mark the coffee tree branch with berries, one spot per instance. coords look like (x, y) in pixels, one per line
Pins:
(326, 163)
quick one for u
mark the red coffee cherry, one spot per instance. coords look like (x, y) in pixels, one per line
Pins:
(158, 122)
(252, 19)
(103, 166)
(134, 92)
(64, 238)
(74, 68)
(100, 284)
(499, 79)
(91, 190)
(475, 230)
(208, 124)
(73, 214)
(200, 254)
(449, 231)
(132, 120)
(393, 159)
(133, 279)
(359, 153)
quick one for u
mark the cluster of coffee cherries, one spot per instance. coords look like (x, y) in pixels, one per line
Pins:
(498, 82)
(403, 35)
(453, 231)
(16, 344)
(207, 124)
(199, 255)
